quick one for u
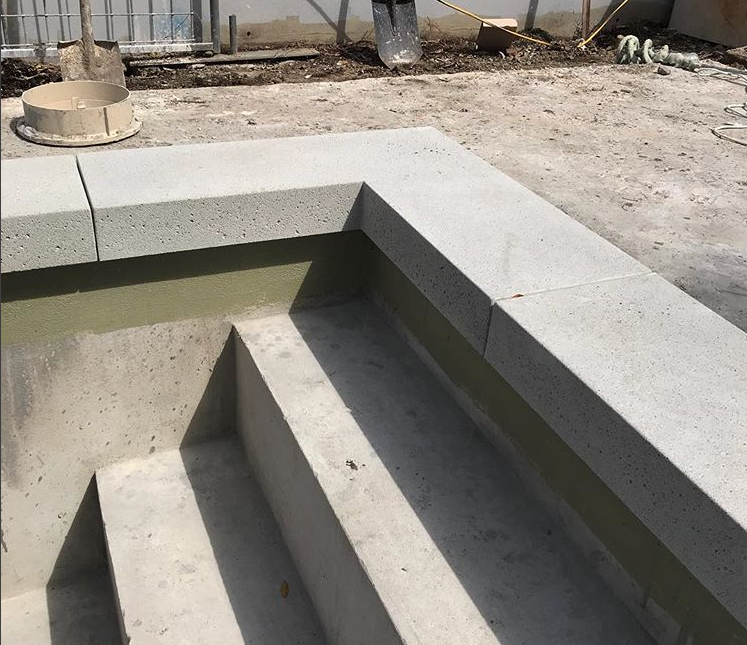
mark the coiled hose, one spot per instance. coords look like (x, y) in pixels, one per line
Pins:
(630, 52)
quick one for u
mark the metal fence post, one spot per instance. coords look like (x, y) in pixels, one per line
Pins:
(232, 35)
(215, 25)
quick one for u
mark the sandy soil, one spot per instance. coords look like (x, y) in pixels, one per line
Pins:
(625, 151)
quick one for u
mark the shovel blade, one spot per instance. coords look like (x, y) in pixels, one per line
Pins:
(105, 65)
(397, 35)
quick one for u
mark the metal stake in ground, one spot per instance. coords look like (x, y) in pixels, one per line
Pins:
(232, 35)
(88, 59)
(397, 35)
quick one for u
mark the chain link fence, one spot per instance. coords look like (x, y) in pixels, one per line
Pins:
(32, 28)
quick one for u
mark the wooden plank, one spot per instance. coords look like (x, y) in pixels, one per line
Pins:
(262, 55)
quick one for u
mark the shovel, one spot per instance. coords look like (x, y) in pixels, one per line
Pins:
(89, 60)
(397, 36)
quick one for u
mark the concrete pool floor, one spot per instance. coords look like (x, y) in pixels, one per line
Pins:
(625, 151)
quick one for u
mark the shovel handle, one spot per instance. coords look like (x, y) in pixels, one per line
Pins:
(86, 29)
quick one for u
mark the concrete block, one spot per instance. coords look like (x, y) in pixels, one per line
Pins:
(461, 230)
(46, 220)
(195, 554)
(467, 235)
(648, 387)
(491, 38)
(358, 449)
(188, 197)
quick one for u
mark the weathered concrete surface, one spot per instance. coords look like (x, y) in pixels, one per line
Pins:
(465, 233)
(46, 220)
(42, 306)
(196, 555)
(72, 406)
(350, 20)
(196, 204)
(73, 402)
(81, 613)
(648, 387)
(344, 424)
(655, 586)
(660, 186)
(719, 21)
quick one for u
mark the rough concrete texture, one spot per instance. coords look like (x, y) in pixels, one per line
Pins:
(43, 306)
(476, 231)
(719, 21)
(196, 555)
(649, 388)
(206, 220)
(75, 405)
(46, 220)
(81, 613)
(447, 536)
(655, 586)
(287, 21)
(622, 150)
(350, 20)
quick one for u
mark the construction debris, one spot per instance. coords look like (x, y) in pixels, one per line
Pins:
(360, 60)
(262, 55)
(495, 36)
(736, 56)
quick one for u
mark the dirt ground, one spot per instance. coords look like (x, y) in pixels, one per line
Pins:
(353, 61)
(624, 150)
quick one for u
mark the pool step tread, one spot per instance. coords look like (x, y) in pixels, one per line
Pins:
(454, 548)
(195, 554)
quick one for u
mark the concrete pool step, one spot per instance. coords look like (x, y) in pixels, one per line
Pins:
(78, 612)
(195, 554)
(405, 524)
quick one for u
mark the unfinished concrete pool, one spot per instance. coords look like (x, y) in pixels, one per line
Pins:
(325, 399)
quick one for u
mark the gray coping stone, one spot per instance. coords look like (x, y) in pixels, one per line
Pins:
(649, 387)
(454, 549)
(461, 230)
(195, 554)
(46, 220)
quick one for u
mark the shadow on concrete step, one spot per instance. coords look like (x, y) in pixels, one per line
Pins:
(266, 594)
(80, 603)
(519, 570)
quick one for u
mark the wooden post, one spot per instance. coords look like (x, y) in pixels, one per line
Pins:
(86, 29)
(585, 18)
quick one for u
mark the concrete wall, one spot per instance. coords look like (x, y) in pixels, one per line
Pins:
(97, 369)
(350, 20)
(113, 361)
(315, 20)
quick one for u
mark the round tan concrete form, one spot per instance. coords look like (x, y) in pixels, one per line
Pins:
(77, 113)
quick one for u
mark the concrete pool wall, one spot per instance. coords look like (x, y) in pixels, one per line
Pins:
(157, 307)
